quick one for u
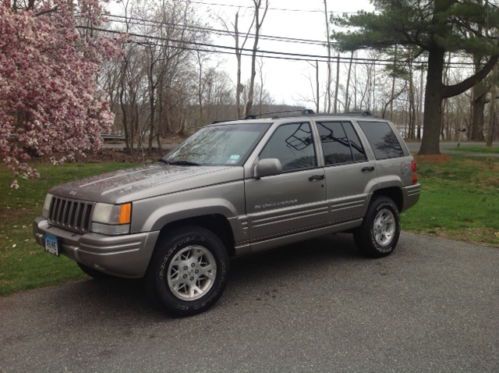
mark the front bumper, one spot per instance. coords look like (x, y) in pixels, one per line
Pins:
(123, 256)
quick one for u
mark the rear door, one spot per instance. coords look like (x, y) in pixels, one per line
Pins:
(393, 159)
(347, 169)
(294, 200)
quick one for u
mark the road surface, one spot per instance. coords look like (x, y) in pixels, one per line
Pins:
(312, 307)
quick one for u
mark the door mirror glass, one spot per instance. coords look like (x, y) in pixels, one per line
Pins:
(268, 167)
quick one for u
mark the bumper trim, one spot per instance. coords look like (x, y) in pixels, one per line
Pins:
(122, 256)
(411, 195)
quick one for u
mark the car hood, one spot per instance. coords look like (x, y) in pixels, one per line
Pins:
(146, 181)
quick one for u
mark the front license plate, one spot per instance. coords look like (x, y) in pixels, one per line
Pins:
(51, 244)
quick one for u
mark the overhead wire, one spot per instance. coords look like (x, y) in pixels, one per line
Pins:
(264, 53)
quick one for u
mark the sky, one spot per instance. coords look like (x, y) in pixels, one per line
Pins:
(288, 82)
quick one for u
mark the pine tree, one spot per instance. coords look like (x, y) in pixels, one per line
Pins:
(437, 27)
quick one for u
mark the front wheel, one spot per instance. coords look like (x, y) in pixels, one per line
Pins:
(188, 271)
(379, 233)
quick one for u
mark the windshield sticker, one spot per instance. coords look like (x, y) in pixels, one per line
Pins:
(234, 158)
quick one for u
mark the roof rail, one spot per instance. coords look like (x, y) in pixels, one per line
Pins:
(301, 112)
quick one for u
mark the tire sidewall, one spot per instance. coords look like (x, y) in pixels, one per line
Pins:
(166, 251)
(378, 205)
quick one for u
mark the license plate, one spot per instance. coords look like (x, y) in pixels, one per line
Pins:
(51, 244)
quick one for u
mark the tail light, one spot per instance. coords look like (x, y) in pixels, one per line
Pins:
(414, 175)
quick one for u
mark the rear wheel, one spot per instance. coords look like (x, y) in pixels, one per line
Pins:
(379, 234)
(188, 271)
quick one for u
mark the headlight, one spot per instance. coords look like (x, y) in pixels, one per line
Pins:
(111, 219)
(46, 205)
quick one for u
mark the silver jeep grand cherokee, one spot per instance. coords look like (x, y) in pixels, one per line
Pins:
(233, 188)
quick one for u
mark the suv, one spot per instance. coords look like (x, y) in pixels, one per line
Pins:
(233, 188)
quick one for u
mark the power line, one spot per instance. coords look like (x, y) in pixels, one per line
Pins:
(287, 39)
(266, 53)
(290, 55)
(250, 7)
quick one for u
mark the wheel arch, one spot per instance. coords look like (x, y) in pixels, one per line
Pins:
(393, 192)
(216, 223)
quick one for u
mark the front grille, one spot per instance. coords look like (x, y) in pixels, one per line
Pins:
(70, 214)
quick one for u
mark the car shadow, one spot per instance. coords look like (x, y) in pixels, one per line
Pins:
(120, 298)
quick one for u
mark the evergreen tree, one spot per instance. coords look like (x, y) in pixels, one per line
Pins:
(436, 27)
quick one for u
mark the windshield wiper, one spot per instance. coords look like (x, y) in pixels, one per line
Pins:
(179, 162)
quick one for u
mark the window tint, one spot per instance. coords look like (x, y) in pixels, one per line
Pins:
(335, 143)
(340, 143)
(382, 139)
(293, 145)
(358, 152)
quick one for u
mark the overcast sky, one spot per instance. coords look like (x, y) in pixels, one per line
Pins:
(287, 81)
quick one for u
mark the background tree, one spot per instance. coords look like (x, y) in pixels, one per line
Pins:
(260, 12)
(437, 27)
(50, 104)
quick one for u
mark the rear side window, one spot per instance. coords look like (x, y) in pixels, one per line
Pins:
(340, 143)
(293, 145)
(383, 141)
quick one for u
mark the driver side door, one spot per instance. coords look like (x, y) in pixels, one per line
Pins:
(294, 200)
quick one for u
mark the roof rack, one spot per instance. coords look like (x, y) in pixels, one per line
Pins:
(302, 112)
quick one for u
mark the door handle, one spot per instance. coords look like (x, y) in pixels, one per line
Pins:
(368, 169)
(316, 178)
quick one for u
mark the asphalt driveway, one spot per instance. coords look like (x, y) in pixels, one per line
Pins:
(317, 306)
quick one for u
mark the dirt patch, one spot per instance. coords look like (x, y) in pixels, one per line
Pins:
(479, 235)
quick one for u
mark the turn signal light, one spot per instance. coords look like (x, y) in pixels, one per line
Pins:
(125, 213)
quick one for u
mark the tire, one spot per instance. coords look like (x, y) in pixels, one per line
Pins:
(380, 230)
(173, 276)
(96, 275)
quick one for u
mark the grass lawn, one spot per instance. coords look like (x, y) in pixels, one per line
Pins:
(478, 149)
(460, 200)
(23, 264)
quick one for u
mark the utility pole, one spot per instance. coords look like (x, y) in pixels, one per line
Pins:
(328, 46)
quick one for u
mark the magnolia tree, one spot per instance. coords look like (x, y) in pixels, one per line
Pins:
(50, 104)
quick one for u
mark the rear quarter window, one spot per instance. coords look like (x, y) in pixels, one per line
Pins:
(383, 141)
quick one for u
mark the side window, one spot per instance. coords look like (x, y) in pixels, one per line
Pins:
(382, 139)
(293, 145)
(335, 143)
(340, 143)
(358, 152)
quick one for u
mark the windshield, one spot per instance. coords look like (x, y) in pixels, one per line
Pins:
(218, 145)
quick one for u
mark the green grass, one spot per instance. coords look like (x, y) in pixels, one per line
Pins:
(478, 149)
(23, 264)
(459, 200)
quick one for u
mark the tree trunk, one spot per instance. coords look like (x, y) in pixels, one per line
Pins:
(433, 103)
(393, 82)
(337, 84)
(477, 116)
(347, 90)
(412, 105)
(492, 108)
(420, 104)
(258, 25)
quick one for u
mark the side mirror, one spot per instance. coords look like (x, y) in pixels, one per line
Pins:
(268, 167)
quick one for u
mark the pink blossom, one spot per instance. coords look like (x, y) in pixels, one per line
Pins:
(50, 104)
